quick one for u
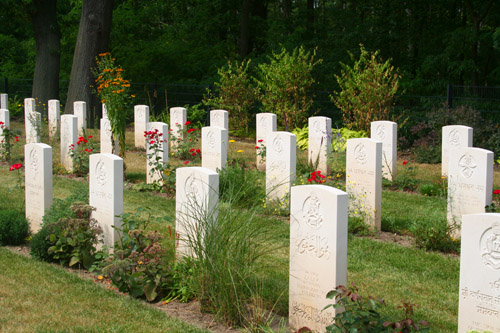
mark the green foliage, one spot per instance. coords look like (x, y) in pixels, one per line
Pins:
(14, 228)
(184, 145)
(405, 180)
(362, 314)
(80, 155)
(339, 137)
(226, 248)
(10, 137)
(235, 93)
(434, 189)
(197, 114)
(435, 236)
(139, 264)
(16, 107)
(113, 91)
(358, 226)
(240, 186)
(367, 90)
(284, 85)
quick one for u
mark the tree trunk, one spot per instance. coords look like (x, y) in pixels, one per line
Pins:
(48, 52)
(92, 39)
(244, 35)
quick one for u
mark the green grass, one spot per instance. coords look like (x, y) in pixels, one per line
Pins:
(39, 297)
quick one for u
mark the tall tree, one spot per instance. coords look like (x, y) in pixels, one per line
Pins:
(43, 15)
(93, 38)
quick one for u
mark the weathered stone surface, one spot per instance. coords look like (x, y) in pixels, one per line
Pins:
(387, 133)
(80, 110)
(54, 113)
(69, 137)
(280, 165)
(141, 120)
(320, 143)
(265, 124)
(454, 136)
(214, 142)
(219, 118)
(178, 117)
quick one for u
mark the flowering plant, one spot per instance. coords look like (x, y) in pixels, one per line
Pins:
(80, 155)
(160, 171)
(316, 177)
(261, 151)
(113, 90)
(8, 140)
(185, 144)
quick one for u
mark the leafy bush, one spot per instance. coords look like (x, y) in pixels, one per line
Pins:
(361, 314)
(71, 240)
(339, 137)
(284, 84)
(139, 264)
(235, 93)
(14, 227)
(367, 90)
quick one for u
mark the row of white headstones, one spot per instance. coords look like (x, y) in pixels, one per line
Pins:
(318, 213)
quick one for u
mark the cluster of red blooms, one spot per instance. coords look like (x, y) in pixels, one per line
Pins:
(2, 126)
(15, 167)
(405, 162)
(257, 147)
(317, 177)
(194, 151)
(153, 136)
(496, 192)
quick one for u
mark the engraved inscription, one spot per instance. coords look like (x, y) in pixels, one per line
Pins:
(360, 154)
(211, 140)
(310, 313)
(314, 245)
(278, 144)
(100, 173)
(454, 138)
(490, 246)
(34, 164)
(311, 211)
(495, 285)
(380, 132)
(467, 165)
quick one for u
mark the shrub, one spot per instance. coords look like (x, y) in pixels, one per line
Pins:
(435, 236)
(14, 228)
(235, 93)
(367, 90)
(284, 84)
(240, 186)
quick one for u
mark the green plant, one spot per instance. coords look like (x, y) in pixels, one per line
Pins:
(435, 236)
(160, 172)
(14, 228)
(185, 145)
(235, 93)
(9, 138)
(367, 90)
(285, 82)
(406, 178)
(80, 155)
(359, 314)
(139, 263)
(197, 114)
(240, 186)
(113, 91)
(16, 107)
(339, 137)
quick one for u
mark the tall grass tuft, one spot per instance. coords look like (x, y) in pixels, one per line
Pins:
(241, 187)
(226, 245)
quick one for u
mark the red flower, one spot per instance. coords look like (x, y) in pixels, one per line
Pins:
(256, 147)
(496, 192)
(198, 151)
(187, 123)
(193, 154)
(191, 130)
(85, 141)
(15, 166)
(90, 136)
(152, 141)
(405, 162)
(17, 138)
(261, 140)
(1, 122)
(186, 162)
(191, 150)
(81, 138)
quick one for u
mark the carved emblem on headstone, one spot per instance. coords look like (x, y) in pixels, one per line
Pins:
(490, 246)
(454, 138)
(360, 154)
(278, 144)
(311, 211)
(193, 188)
(35, 163)
(381, 132)
(467, 165)
(211, 140)
(263, 123)
(217, 120)
(100, 173)
(317, 128)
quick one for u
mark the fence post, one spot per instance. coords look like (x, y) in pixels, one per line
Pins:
(449, 96)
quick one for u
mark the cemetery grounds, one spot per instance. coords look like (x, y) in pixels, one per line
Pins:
(36, 296)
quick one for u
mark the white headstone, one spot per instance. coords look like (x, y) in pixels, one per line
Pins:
(80, 110)
(160, 156)
(34, 127)
(38, 182)
(4, 101)
(106, 138)
(54, 116)
(197, 196)
(141, 120)
(454, 136)
(479, 293)
(219, 118)
(280, 165)
(178, 117)
(104, 111)
(470, 183)
(364, 179)
(318, 253)
(214, 143)
(265, 123)
(106, 193)
(69, 137)
(5, 119)
(387, 133)
(320, 143)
